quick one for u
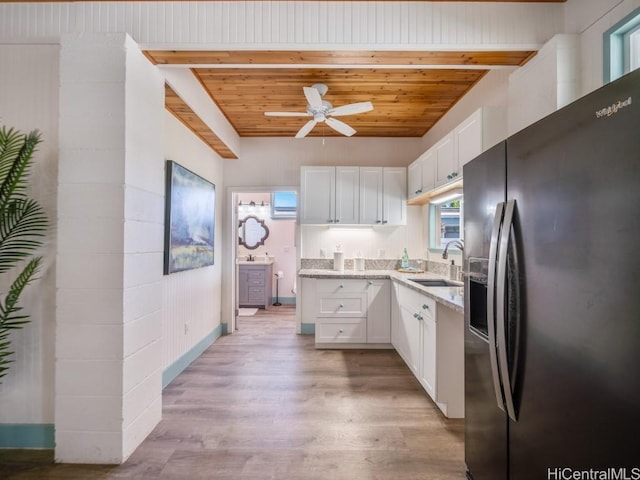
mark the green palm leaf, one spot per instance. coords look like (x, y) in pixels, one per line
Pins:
(22, 226)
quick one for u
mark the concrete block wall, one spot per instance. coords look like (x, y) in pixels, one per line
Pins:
(108, 362)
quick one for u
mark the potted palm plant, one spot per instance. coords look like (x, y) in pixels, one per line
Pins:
(22, 226)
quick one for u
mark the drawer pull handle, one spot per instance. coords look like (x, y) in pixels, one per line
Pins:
(341, 305)
(415, 315)
(341, 331)
(370, 282)
(425, 307)
(341, 286)
(420, 317)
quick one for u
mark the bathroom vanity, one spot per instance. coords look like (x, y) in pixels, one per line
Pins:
(255, 280)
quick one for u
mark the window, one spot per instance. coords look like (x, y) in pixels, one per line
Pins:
(622, 47)
(284, 204)
(446, 221)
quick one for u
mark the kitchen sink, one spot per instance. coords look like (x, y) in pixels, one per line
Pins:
(435, 282)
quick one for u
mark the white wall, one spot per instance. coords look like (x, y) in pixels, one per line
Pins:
(108, 336)
(591, 18)
(546, 83)
(369, 242)
(490, 91)
(28, 101)
(192, 299)
(277, 161)
(143, 248)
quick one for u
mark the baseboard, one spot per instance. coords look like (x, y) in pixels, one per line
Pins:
(27, 435)
(173, 370)
(284, 300)
(308, 329)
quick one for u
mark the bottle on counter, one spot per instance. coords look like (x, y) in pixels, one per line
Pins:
(405, 259)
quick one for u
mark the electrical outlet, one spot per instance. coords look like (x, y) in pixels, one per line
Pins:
(186, 328)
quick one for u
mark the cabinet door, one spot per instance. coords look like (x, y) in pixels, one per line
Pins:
(468, 137)
(371, 180)
(446, 162)
(410, 339)
(414, 179)
(428, 355)
(243, 286)
(317, 194)
(394, 198)
(428, 170)
(347, 200)
(378, 312)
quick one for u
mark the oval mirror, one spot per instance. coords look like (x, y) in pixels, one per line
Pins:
(252, 232)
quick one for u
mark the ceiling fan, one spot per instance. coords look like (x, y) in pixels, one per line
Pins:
(323, 111)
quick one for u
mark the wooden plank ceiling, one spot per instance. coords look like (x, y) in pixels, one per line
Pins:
(410, 91)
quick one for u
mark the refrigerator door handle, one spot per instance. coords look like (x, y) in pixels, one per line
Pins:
(501, 300)
(491, 304)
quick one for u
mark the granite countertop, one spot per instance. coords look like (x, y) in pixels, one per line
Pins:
(451, 297)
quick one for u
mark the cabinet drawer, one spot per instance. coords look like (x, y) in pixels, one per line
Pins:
(340, 286)
(416, 302)
(256, 294)
(346, 305)
(255, 277)
(332, 330)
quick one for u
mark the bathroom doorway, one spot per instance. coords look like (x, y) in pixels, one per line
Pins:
(265, 254)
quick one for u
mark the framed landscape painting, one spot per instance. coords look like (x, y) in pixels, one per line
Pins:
(190, 206)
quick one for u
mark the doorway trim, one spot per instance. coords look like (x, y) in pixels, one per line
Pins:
(232, 201)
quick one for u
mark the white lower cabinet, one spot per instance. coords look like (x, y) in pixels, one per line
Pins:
(352, 311)
(430, 339)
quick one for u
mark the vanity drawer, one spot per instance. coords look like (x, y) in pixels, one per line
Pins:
(256, 294)
(255, 277)
(332, 330)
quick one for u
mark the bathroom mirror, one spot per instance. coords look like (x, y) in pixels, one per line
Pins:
(252, 232)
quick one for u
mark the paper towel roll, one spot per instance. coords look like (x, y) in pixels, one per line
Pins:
(338, 261)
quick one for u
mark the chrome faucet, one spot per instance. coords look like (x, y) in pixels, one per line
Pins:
(251, 258)
(455, 243)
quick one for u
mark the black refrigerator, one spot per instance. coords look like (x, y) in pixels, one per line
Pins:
(552, 295)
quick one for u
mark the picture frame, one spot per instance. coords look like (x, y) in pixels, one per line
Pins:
(190, 205)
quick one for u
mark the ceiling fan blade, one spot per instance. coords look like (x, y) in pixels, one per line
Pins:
(340, 127)
(306, 129)
(351, 109)
(287, 114)
(313, 97)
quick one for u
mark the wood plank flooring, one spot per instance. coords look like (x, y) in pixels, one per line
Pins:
(263, 403)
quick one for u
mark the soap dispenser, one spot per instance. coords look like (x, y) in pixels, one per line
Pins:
(453, 271)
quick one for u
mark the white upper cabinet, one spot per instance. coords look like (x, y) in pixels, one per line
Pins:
(329, 195)
(318, 198)
(347, 195)
(353, 195)
(394, 200)
(443, 162)
(371, 195)
(421, 175)
(445, 159)
(383, 195)
(481, 131)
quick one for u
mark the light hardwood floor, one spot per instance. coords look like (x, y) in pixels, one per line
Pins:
(263, 403)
